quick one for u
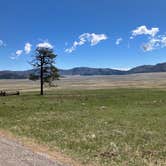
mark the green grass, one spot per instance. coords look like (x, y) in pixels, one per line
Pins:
(103, 127)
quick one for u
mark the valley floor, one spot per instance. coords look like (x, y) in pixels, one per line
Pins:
(146, 80)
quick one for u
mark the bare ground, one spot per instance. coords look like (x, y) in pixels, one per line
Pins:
(16, 151)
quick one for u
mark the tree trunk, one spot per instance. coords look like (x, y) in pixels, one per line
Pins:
(41, 77)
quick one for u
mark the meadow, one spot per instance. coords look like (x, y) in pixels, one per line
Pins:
(146, 80)
(101, 127)
(119, 126)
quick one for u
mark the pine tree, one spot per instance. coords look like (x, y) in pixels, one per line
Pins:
(43, 63)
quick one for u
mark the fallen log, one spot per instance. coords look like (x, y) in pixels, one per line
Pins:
(2, 93)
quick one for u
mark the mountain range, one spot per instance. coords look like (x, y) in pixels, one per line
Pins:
(85, 71)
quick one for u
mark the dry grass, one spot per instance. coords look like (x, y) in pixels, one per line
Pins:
(148, 80)
(100, 127)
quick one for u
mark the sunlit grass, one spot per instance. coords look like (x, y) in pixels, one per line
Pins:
(105, 127)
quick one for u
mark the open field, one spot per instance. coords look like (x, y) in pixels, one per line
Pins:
(101, 127)
(148, 80)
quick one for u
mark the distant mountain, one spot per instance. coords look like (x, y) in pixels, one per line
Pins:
(15, 74)
(161, 67)
(85, 71)
(90, 71)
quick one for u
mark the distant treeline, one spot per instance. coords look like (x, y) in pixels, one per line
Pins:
(86, 71)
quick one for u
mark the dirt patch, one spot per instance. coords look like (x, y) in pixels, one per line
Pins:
(40, 149)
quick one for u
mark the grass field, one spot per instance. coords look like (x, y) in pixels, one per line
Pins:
(99, 127)
(146, 80)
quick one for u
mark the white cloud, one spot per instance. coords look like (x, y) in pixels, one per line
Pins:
(143, 30)
(69, 50)
(118, 41)
(96, 38)
(44, 45)
(155, 43)
(19, 52)
(91, 38)
(27, 48)
(16, 54)
(148, 47)
(163, 41)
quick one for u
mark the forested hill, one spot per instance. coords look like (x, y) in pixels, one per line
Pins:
(85, 71)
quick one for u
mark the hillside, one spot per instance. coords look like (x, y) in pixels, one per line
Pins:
(91, 71)
(161, 67)
(84, 71)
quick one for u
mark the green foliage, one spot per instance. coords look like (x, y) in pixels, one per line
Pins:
(43, 62)
(51, 76)
(33, 77)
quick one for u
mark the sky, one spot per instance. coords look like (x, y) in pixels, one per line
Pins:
(83, 33)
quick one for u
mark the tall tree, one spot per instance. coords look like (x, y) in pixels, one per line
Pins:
(43, 61)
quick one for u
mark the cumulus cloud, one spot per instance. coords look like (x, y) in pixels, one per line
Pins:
(118, 41)
(44, 45)
(19, 52)
(16, 54)
(155, 43)
(91, 38)
(96, 38)
(148, 47)
(163, 41)
(143, 30)
(27, 48)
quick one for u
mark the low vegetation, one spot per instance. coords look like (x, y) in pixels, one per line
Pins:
(101, 127)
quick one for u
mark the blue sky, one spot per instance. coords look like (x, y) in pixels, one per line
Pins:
(138, 25)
